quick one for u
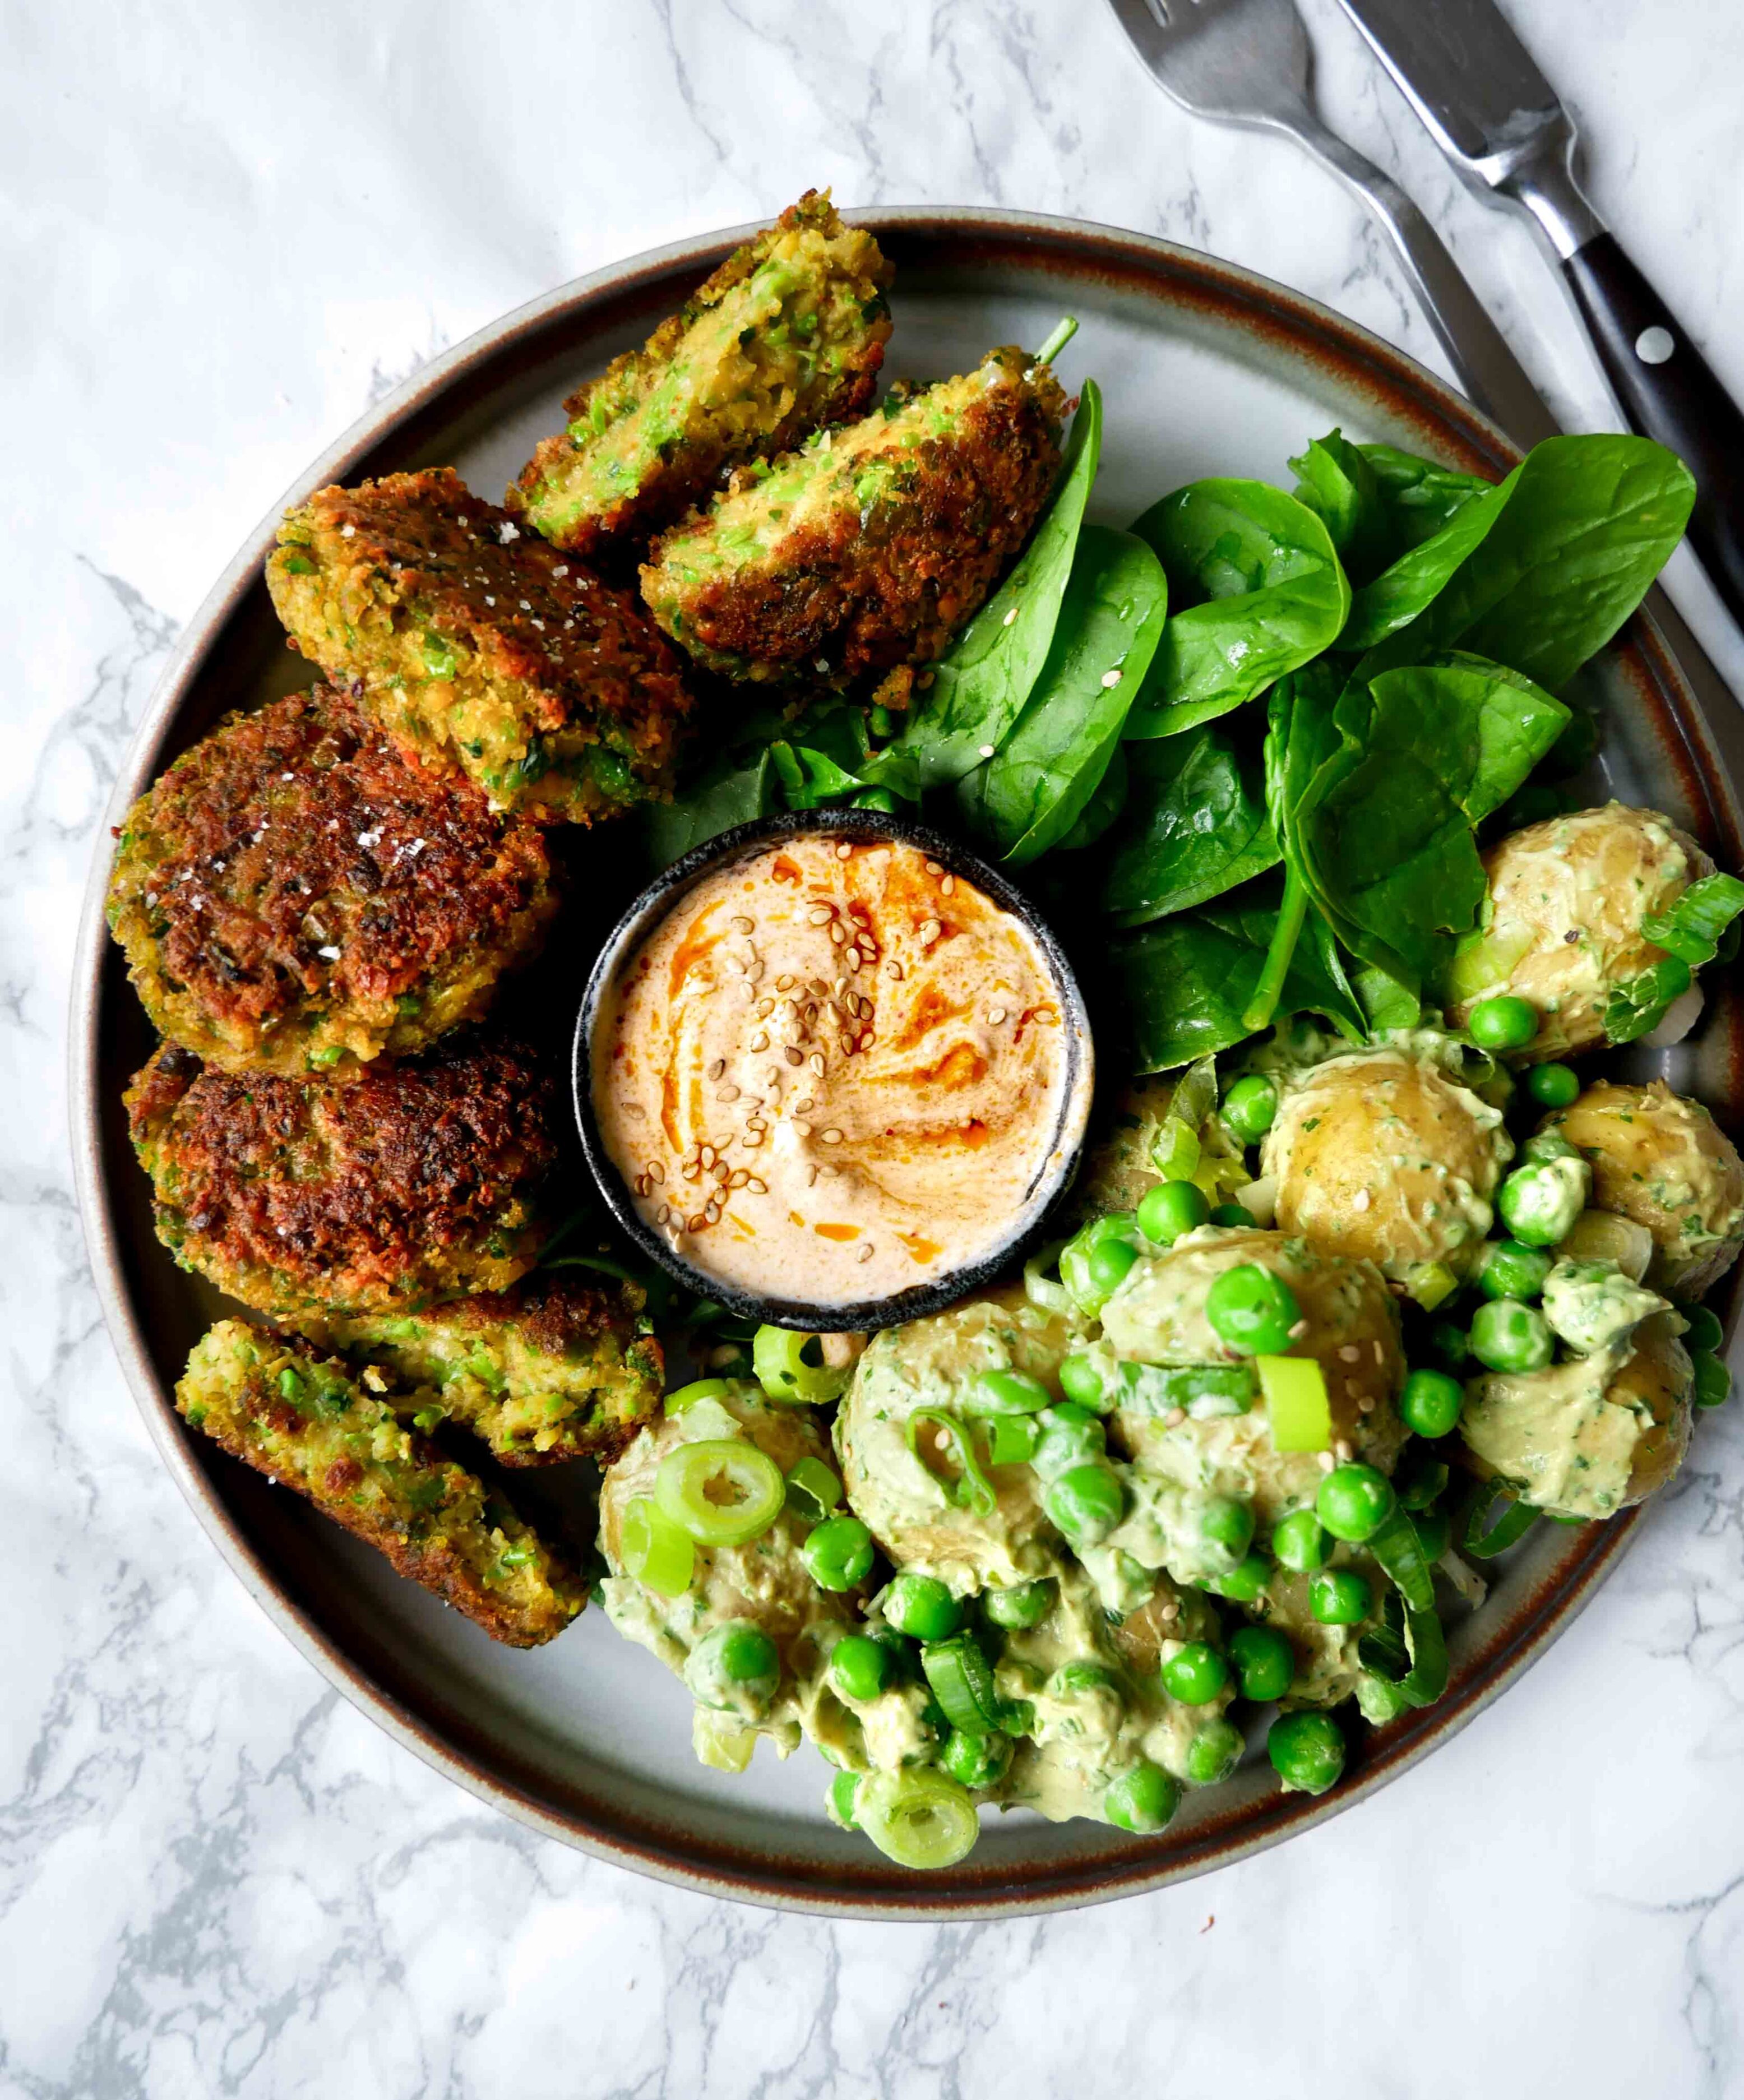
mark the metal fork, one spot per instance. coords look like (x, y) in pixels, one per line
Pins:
(1249, 62)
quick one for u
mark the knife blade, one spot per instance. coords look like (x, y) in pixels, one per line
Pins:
(1499, 123)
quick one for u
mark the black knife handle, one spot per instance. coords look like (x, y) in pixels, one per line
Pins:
(1669, 392)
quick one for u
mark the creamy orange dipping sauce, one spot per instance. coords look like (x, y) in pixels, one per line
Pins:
(835, 1071)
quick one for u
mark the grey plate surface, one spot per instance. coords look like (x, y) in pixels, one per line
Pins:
(1206, 369)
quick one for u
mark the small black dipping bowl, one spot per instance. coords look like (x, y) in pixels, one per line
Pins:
(863, 827)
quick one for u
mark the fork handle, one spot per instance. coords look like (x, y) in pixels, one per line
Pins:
(1669, 391)
(1477, 349)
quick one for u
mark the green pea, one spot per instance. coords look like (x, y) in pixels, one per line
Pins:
(1251, 1107)
(1143, 1800)
(1070, 1436)
(1434, 1530)
(1081, 1382)
(859, 1667)
(1025, 1604)
(1244, 1582)
(1420, 1478)
(1108, 1264)
(1252, 1310)
(1538, 1202)
(1339, 1597)
(1195, 1673)
(1507, 1336)
(1503, 1023)
(840, 1799)
(1227, 1525)
(1553, 1086)
(839, 1553)
(1430, 1403)
(1713, 1380)
(977, 1762)
(1307, 1751)
(1090, 1273)
(1086, 1504)
(1705, 1330)
(1354, 1502)
(737, 1654)
(1214, 1753)
(1235, 1216)
(1510, 1270)
(1008, 1392)
(1265, 1662)
(1298, 1543)
(1170, 1209)
(921, 1607)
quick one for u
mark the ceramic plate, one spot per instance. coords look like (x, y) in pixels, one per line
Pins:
(1206, 370)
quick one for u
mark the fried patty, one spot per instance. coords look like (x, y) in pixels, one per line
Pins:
(786, 336)
(296, 894)
(872, 547)
(553, 1369)
(479, 646)
(413, 1183)
(312, 1426)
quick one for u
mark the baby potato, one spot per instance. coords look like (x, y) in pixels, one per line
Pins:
(1563, 928)
(1662, 1161)
(1380, 1156)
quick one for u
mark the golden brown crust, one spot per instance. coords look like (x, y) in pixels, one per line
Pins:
(414, 1182)
(480, 645)
(296, 892)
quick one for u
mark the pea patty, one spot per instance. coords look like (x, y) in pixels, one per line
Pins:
(296, 893)
(872, 547)
(787, 335)
(551, 1369)
(479, 646)
(314, 1427)
(413, 1183)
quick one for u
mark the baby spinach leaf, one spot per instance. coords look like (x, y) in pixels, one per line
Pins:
(1196, 826)
(1417, 497)
(1028, 796)
(1188, 979)
(1102, 811)
(1574, 537)
(1256, 590)
(1382, 831)
(808, 778)
(1336, 481)
(980, 684)
(725, 796)
(1400, 594)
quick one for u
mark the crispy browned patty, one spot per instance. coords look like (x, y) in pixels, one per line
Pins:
(313, 1426)
(786, 336)
(411, 1182)
(297, 893)
(552, 1369)
(480, 646)
(872, 547)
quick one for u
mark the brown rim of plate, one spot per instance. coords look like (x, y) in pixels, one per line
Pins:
(390, 435)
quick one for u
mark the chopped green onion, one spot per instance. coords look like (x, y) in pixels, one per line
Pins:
(1408, 1652)
(1042, 1291)
(722, 1490)
(1636, 1008)
(1397, 1547)
(653, 1551)
(1056, 342)
(814, 1488)
(919, 1818)
(1516, 1520)
(779, 1358)
(962, 1682)
(721, 1742)
(1202, 1391)
(1692, 929)
(714, 1388)
(1012, 1439)
(974, 1491)
(1432, 1285)
(1296, 1403)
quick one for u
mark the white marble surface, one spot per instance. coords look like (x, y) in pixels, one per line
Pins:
(226, 229)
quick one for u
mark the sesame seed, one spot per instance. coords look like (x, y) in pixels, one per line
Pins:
(756, 1188)
(717, 1068)
(803, 1127)
(347, 531)
(844, 850)
(1325, 1461)
(800, 1107)
(986, 751)
(838, 933)
(996, 1016)
(820, 917)
(868, 1039)
(1342, 1450)
(816, 1064)
(854, 958)
(792, 1056)
(1349, 1353)
(752, 1139)
(1366, 1406)
(760, 1041)
(743, 925)
(1174, 1419)
(933, 866)
(1299, 1331)
(1361, 1200)
(947, 885)
(656, 1171)
(1380, 1356)
(756, 1123)
(727, 1094)
(738, 1178)
(765, 1007)
(930, 933)
(811, 1178)
(696, 1223)
(327, 955)
(1009, 617)
(832, 1137)
(1110, 679)
(562, 569)
(705, 1157)
(662, 1215)
(784, 982)
(893, 971)
(865, 1253)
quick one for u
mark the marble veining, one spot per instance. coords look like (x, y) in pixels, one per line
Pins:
(227, 231)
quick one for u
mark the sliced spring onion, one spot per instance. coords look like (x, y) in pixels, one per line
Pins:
(709, 1389)
(653, 1551)
(814, 1488)
(1296, 1403)
(1398, 1549)
(1431, 1284)
(721, 1741)
(973, 1491)
(1470, 1533)
(1604, 1236)
(1694, 926)
(1202, 1390)
(786, 1372)
(1408, 1651)
(962, 1683)
(1040, 1288)
(1635, 1009)
(918, 1818)
(1012, 1439)
(722, 1491)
